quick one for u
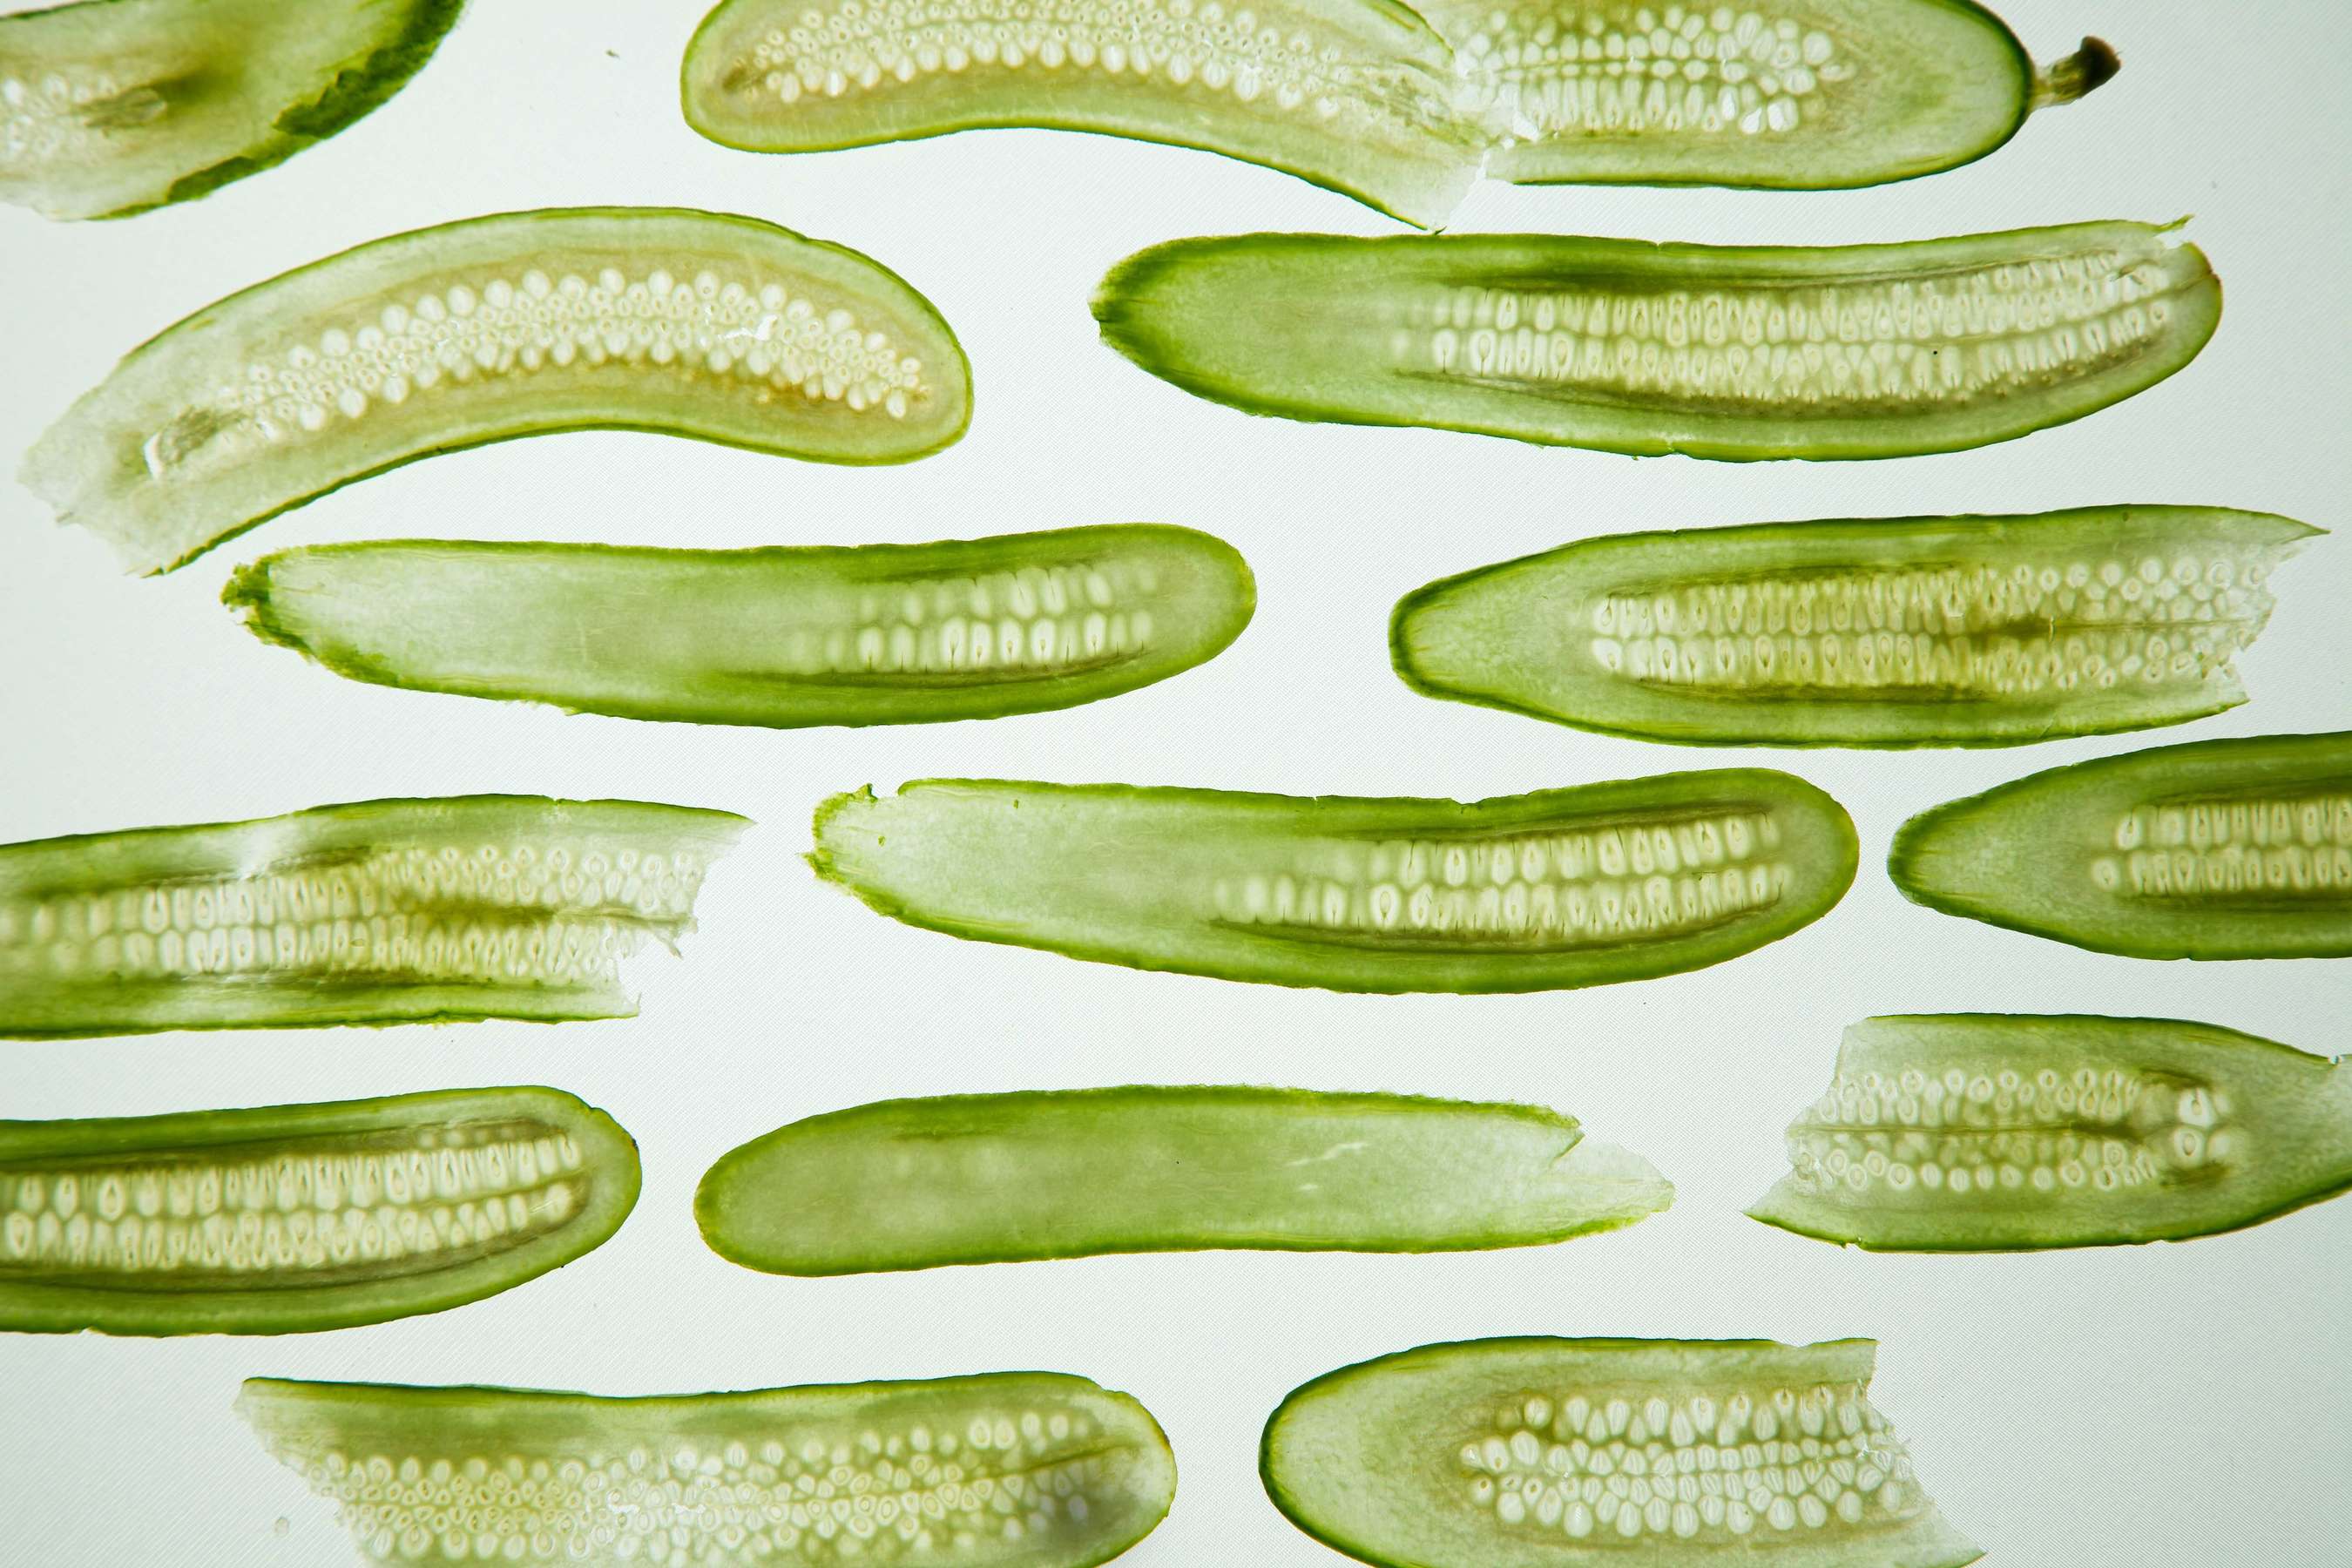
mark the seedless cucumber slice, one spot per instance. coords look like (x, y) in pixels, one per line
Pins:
(1564, 887)
(2238, 849)
(1020, 1470)
(876, 634)
(688, 324)
(481, 906)
(299, 1217)
(1539, 1453)
(991, 1178)
(1874, 351)
(1930, 631)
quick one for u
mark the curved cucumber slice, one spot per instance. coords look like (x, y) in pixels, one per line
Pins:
(2234, 848)
(1017, 1470)
(689, 323)
(876, 634)
(992, 1178)
(299, 1217)
(1874, 351)
(1528, 1453)
(1968, 1132)
(481, 906)
(1564, 887)
(113, 107)
(1930, 631)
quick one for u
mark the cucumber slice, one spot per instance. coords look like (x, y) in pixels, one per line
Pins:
(994, 1178)
(1872, 350)
(381, 911)
(1532, 1453)
(877, 634)
(1929, 631)
(2238, 849)
(114, 107)
(299, 1217)
(1017, 1470)
(688, 324)
(1564, 887)
(1972, 1133)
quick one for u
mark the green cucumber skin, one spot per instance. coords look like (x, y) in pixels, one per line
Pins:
(703, 635)
(69, 1301)
(995, 1178)
(1448, 640)
(1001, 848)
(2028, 854)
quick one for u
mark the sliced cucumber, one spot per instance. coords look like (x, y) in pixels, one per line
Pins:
(689, 323)
(1532, 1453)
(1973, 1133)
(113, 107)
(381, 912)
(2238, 849)
(1564, 887)
(1874, 351)
(299, 1217)
(1932, 631)
(876, 634)
(1019, 1469)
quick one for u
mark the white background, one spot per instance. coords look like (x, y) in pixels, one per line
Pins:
(2159, 1406)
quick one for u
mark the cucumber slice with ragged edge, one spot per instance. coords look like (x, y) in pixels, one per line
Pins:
(1541, 1453)
(1735, 353)
(876, 634)
(1018, 1470)
(1951, 631)
(1987, 1132)
(1564, 888)
(114, 107)
(992, 1178)
(685, 323)
(299, 1217)
(376, 912)
(2239, 848)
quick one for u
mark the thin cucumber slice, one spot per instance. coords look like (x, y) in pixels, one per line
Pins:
(1533, 893)
(1872, 350)
(1929, 631)
(299, 1217)
(2238, 849)
(114, 107)
(687, 324)
(994, 1178)
(381, 911)
(1016, 1469)
(1541, 1453)
(876, 633)
(1985, 1133)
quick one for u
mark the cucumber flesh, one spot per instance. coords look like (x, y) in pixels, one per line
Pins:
(376, 912)
(877, 634)
(1540, 1453)
(990, 1178)
(1953, 631)
(1005, 1470)
(299, 1217)
(688, 324)
(2237, 849)
(1564, 887)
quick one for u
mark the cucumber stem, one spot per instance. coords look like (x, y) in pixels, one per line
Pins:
(2079, 75)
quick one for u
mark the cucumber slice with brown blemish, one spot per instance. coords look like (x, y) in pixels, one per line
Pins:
(876, 634)
(2239, 848)
(376, 912)
(685, 323)
(1931, 631)
(1564, 887)
(299, 1217)
(1872, 350)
